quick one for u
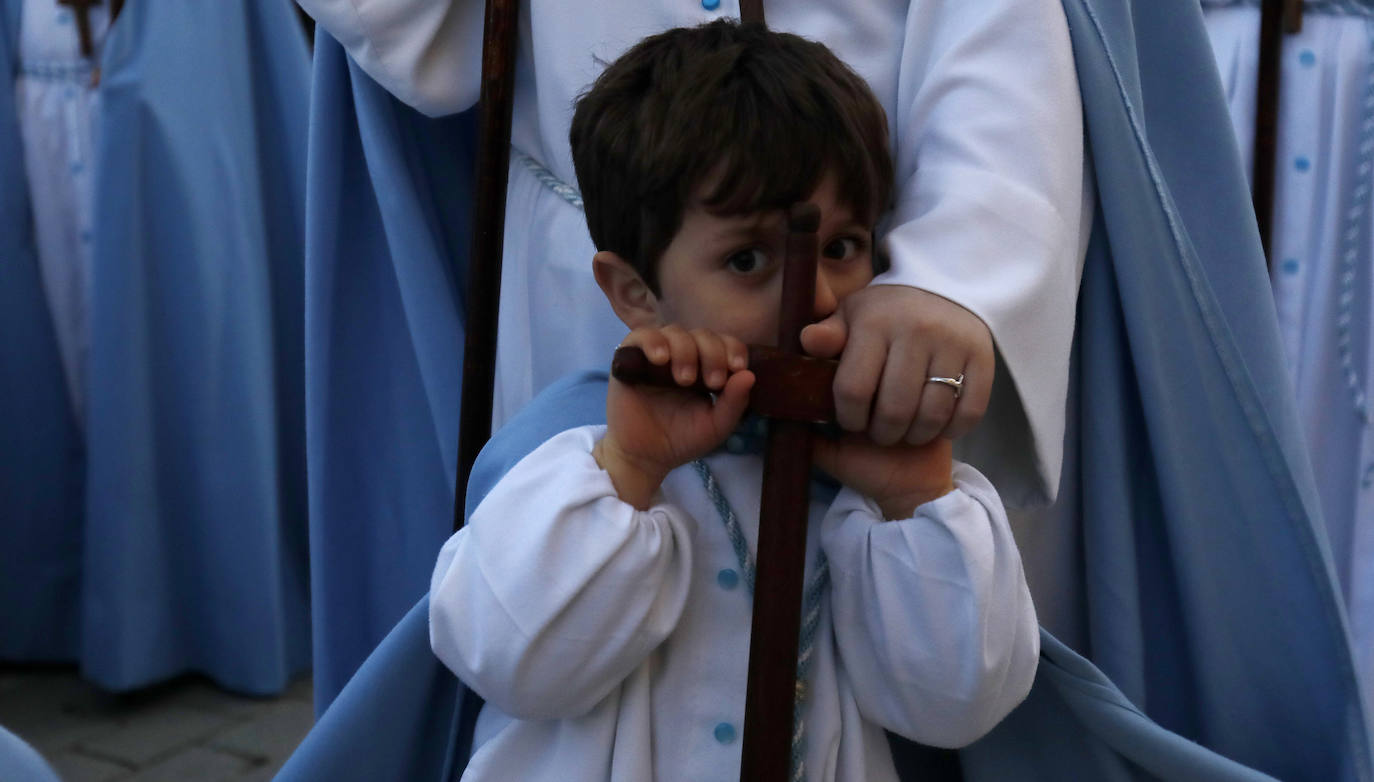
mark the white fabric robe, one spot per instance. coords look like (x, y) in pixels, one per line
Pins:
(1327, 77)
(57, 107)
(612, 643)
(981, 99)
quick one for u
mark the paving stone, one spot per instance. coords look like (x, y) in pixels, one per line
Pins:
(301, 689)
(153, 731)
(200, 695)
(54, 711)
(74, 767)
(196, 764)
(272, 736)
(265, 772)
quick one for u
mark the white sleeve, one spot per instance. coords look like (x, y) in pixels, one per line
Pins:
(989, 207)
(933, 620)
(556, 590)
(428, 53)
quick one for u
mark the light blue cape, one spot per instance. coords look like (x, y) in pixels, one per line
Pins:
(1218, 649)
(190, 552)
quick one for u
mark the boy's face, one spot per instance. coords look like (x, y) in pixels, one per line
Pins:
(724, 273)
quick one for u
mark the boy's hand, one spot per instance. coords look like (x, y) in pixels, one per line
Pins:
(650, 431)
(889, 339)
(899, 478)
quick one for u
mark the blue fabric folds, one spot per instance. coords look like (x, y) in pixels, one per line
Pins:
(191, 554)
(1214, 647)
(41, 468)
(1210, 596)
(387, 239)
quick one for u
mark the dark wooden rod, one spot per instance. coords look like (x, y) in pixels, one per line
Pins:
(488, 227)
(791, 387)
(1267, 82)
(781, 558)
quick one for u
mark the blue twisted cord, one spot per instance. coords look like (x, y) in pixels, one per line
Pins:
(811, 608)
(1357, 218)
(547, 178)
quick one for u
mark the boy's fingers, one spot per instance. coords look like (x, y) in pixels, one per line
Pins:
(737, 353)
(684, 352)
(732, 401)
(711, 352)
(652, 342)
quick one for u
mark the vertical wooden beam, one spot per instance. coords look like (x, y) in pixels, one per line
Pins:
(781, 558)
(1266, 120)
(488, 228)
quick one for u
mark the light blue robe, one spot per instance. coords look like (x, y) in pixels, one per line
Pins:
(41, 467)
(1211, 643)
(191, 554)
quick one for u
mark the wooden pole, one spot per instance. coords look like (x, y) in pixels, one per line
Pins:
(488, 228)
(795, 391)
(780, 562)
(1276, 18)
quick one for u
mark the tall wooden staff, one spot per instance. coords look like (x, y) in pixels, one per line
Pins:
(488, 228)
(1276, 18)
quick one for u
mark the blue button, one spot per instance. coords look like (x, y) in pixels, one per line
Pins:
(727, 578)
(725, 732)
(1290, 266)
(1302, 163)
(77, 168)
(710, 5)
(85, 237)
(734, 444)
(1308, 58)
(64, 17)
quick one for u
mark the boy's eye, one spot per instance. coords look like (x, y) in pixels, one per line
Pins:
(747, 261)
(842, 248)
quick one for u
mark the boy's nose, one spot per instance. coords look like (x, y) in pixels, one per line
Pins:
(826, 302)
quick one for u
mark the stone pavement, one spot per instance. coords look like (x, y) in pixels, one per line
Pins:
(182, 731)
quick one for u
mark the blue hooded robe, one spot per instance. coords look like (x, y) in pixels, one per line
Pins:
(191, 551)
(1212, 644)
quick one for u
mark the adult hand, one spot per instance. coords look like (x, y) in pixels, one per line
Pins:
(890, 339)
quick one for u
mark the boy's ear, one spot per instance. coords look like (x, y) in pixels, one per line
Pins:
(629, 295)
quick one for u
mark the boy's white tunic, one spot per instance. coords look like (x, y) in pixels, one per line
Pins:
(983, 105)
(612, 643)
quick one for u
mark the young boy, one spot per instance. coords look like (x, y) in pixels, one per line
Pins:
(599, 598)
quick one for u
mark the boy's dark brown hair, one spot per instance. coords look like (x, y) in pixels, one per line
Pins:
(764, 115)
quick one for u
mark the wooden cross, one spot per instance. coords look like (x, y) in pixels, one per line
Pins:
(787, 466)
(795, 391)
(82, 10)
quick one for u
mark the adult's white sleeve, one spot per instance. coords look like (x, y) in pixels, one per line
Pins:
(989, 206)
(428, 53)
(933, 620)
(556, 590)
